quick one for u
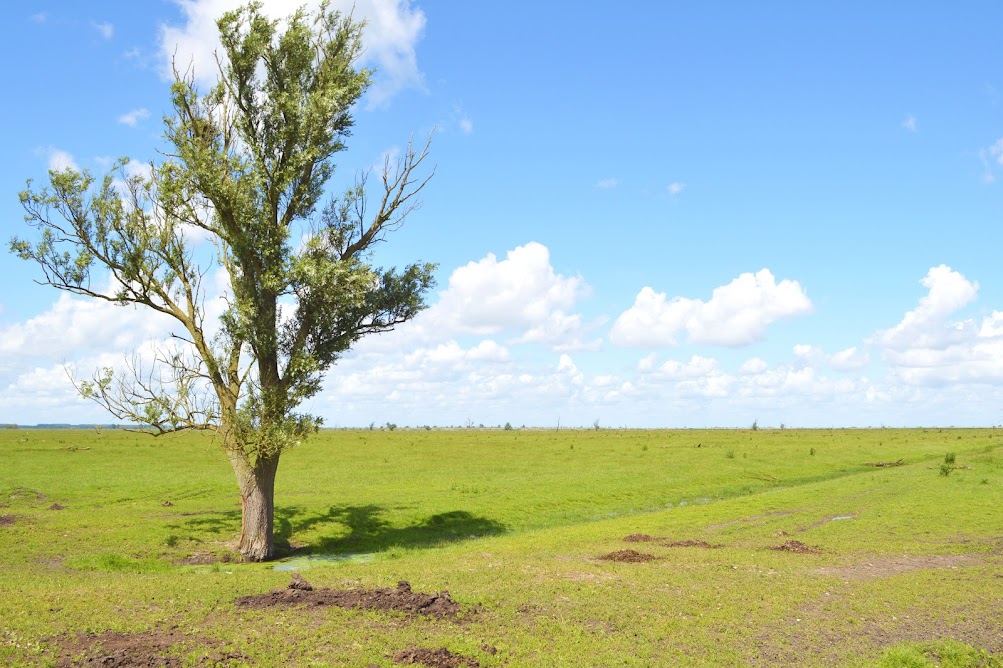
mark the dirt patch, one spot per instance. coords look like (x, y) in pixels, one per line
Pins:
(400, 599)
(883, 567)
(437, 658)
(628, 556)
(134, 650)
(6, 520)
(25, 493)
(692, 543)
(57, 506)
(797, 547)
(205, 559)
(638, 538)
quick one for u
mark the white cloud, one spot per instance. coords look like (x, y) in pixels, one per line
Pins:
(736, 314)
(910, 123)
(521, 292)
(133, 117)
(40, 17)
(753, 365)
(606, 184)
(61, 160)
(929, 347)
(850, 359)
(75, 325)
(926, 326)
(393, 30)
(105, 29)
(676, 187)
(466, 125)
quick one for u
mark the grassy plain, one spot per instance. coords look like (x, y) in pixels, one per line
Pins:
(908, 569)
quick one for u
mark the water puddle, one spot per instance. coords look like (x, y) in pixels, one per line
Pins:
(315, 560)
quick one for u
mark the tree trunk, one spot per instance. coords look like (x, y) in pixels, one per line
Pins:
(257, 506)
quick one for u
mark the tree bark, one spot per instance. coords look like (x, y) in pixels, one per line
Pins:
(257, 506)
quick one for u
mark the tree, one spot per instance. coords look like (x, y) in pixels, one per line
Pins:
(246, 167)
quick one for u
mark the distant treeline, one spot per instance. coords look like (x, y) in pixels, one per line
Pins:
(62, 425)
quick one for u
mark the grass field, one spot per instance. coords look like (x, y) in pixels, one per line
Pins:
(116, 540)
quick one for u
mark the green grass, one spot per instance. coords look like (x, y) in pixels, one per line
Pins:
(512, 521)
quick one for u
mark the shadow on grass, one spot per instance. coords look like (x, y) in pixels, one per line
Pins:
(364, 528)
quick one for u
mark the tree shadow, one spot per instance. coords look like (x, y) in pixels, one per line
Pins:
(364, 528)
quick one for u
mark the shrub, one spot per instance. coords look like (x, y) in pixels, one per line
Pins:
(949, 458)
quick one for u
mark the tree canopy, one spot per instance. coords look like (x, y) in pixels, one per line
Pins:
(247, 167)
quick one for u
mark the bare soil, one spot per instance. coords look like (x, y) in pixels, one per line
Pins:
(57, 506)
(6, 520)
(400, 599)
(135, 650)
(206, 558)
(437, 658)
(638, 538)
(797, 547)
(628, 556)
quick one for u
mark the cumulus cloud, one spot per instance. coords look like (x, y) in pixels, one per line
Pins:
(393, 30)
(850, 359)
(929, 346)
(521, 292)
(910, 123)
(466, 125)
(676, 187)
(753, 365)
(75, 325)
(133, 117)
(736, 314)
(926, 326)
(607, 183)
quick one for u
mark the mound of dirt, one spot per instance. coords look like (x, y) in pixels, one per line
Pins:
(6, 520)
(691, 543)
(57, 506)
(400, 599)
(437, 658)
(638, 538)
(135, 650)
(629, 556)
(797, 547)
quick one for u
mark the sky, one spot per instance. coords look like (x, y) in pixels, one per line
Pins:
(654, 214)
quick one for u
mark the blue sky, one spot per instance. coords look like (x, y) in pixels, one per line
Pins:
(655, 214)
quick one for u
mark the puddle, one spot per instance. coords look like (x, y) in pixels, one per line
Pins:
(315, 560)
